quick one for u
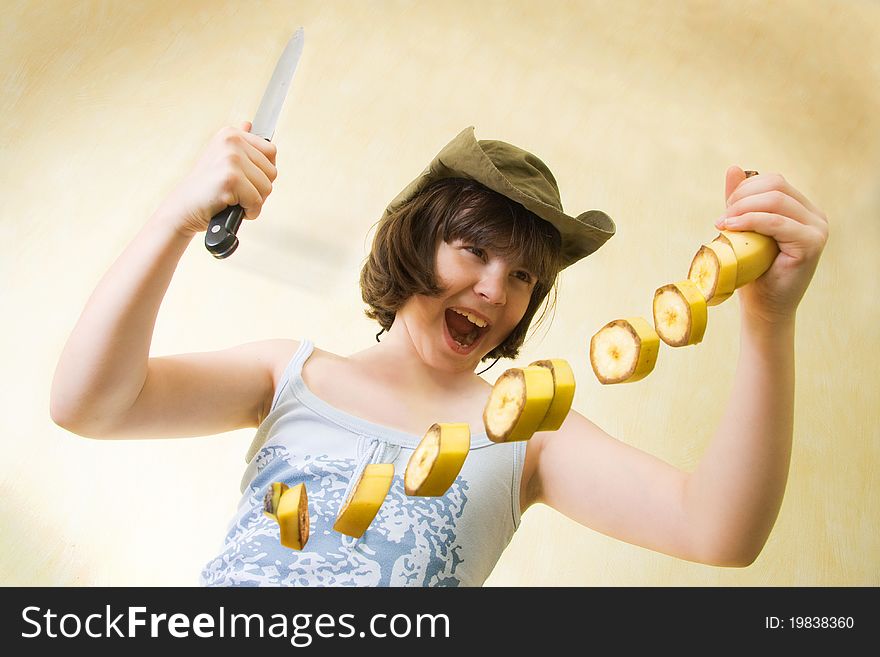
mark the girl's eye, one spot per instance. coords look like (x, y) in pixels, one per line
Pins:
(524, 276)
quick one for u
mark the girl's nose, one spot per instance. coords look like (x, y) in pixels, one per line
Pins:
(492, 285)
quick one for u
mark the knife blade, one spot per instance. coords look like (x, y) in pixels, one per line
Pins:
(221, 239)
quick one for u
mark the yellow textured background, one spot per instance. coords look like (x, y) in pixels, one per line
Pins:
(638, 108)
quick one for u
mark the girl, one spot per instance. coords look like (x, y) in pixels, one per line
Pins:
(461, 261)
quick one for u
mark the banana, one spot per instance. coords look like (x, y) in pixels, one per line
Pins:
(272, 499)
(293, 517)
(713, 270)
(436, 462)
(517, 403)
(624, 350)
(680, 313)
(289, 507)
(365, 500)
(754, 253)
(563, 392)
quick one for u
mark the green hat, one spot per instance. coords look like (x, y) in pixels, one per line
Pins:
(520, 176)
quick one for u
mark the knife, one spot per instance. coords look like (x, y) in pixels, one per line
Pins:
(220, 238)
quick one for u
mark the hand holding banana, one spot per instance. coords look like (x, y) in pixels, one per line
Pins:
(769, 228)
(768, 204)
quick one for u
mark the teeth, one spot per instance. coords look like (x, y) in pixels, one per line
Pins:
(473, 319)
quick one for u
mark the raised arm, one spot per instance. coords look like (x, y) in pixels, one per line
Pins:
(723, 512)
(736, 492)
(105, 384)
(734, 495)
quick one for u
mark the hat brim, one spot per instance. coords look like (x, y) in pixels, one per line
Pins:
(465, 157)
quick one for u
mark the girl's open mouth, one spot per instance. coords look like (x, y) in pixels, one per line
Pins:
(461, 335)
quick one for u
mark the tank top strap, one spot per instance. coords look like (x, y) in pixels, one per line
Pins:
(292, 371)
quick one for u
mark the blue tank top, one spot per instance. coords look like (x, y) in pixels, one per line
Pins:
(452, 540)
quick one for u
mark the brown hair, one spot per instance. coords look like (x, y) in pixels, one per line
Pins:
(401, 262)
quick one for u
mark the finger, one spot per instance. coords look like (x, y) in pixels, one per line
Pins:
(733, 178)
(265, 146)
(249, 198)
(243, 130)
(766, 182)
(774, 202)
(256, 176)
(793, 237)
(259, 158)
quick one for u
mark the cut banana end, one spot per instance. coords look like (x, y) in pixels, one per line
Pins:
(624, 350)
(437, 460)
(680, 314)
(289, 507)
(713, 271)
(293, 517)
(563, 392)
(754, 253)
(365, 500)
(517, 404)
(272, 499)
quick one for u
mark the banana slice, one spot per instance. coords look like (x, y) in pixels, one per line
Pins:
(272, 499)
(365, 500)
(680, 314)
(517, 404)
(563, 392)
(624, 350)
(293, 517)
(754, 253)
(713, 270)
(437, 460)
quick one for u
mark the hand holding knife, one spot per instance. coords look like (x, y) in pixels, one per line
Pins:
(220, 238)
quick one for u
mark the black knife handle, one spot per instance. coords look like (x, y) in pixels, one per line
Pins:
(220, 238)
